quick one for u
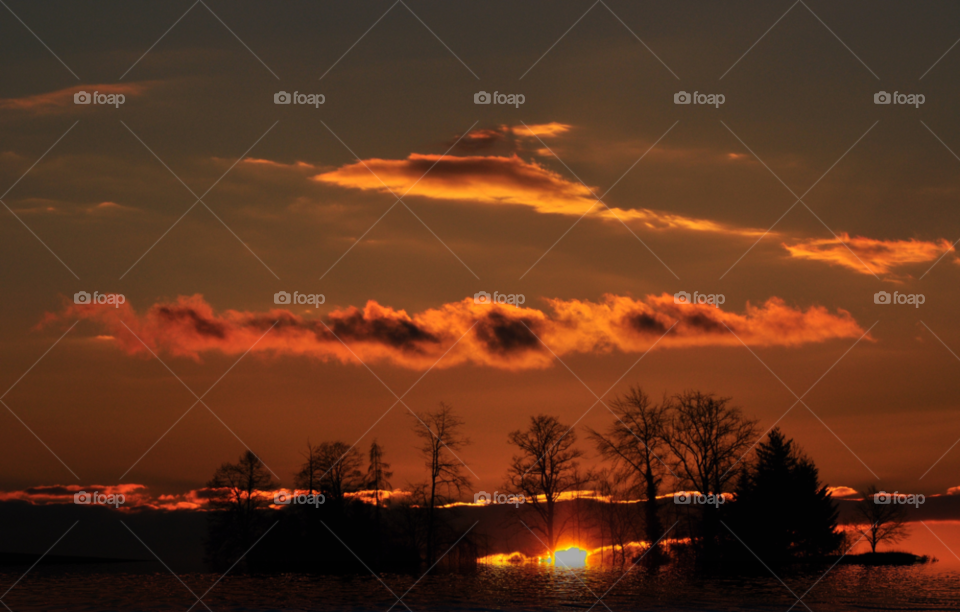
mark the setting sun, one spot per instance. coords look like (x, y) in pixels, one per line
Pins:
(570, 557)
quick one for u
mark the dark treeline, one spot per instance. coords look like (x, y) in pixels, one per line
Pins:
(689, 478)
(323, 528)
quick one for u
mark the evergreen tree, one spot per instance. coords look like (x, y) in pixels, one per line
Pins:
(782, 512)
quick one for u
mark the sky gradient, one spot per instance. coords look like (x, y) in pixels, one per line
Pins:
(399, 199)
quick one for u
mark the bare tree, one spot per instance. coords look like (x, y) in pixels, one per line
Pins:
(240, 492)
(378, 473)
(636, 442)
(882, 522)
(309, 475)
(339, 467)
(442, 438)
(707, 438)
(237, 486)
(378, 479)
(545, 468)
(617, 516)
(580, 513)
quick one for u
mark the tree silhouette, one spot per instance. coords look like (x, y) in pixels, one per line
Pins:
(378, 479)
(546, 467)
(378, 473)
(339, 467)
(707, 438)
(636, 441)
(308, 477)
(240, 492)
(882, 522)
(440, 432)
(782, 511)
(617, 516)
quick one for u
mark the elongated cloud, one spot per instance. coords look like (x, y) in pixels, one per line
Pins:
(495, 335)
(512, 180)
(126, 497)
(880, 256)
(62, 100)
(491, 179)
(842, 491)
(486, 137)
(137, 497)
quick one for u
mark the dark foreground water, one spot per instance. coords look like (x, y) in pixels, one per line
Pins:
(491, 588)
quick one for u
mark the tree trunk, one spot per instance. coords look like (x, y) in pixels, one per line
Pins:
(433, 497)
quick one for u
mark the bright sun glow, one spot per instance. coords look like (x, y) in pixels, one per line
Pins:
(571, 557)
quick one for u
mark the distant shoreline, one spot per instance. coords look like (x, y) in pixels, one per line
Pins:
(886, 559)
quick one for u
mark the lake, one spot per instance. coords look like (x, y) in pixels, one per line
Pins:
(929, 587)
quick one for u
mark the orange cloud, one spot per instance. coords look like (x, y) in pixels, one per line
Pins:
(513, 138)
(494, 335)
(543, 130)
(62, 100)
(881, 256)
(842, 491)
(493, 179)
(134, 496)
(64, 494)
(138, 497)
(479, 178)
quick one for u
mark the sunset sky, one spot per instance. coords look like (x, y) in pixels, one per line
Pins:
(597, 200)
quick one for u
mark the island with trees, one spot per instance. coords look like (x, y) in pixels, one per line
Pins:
(687, 481)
